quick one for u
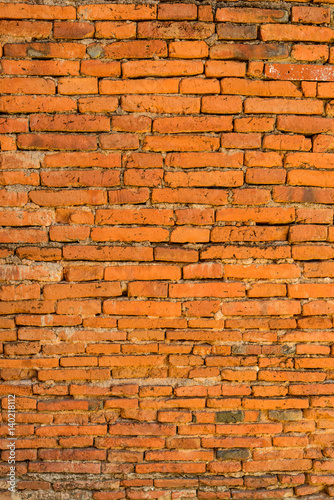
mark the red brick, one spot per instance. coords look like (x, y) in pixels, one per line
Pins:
(286, 106)
(10, 125)
(81, 85)
(83, 160)
(26, 11)
(214, 178)
(246, 52)
(295, 33)
(129, 234)
(25, 218)
(265, 176)
(179, 11)
(40, 68)
(142, 308)
(175, 255)
(100, 68)
(180, 143)
(130, 195)
(224, 68)
(303, 195)
(250, 196)
(314, 216)
(193, 124)
(210, 289)
(308, 53)
(277, 465)
(148, 216)
(180, 30)
(188, 195)
(250, 15)
(136, 49)
(115, 29)
(139, 86)
(199, 86)
(264, 308)
(309, 89)
(26, 29)
(97, 104)
(141, 178)
(258, 87)
(74, 197)
(34, 272)
(196, 160)
(73, 123)
(116, 12)
(322, 143)
(311, 15)
(205, 13)
(73, 30)
(221, 104)
(311, 72)
(161, 104)
(254, 124)
(147, 289)
(188, 50)
(268, 271)
(73, 178)
(294, 124)
(119, 141)
(56, 142)
(287, 142)
(98, 253)
(182, 125)
(194, 216)
(64, 291)
(26, 104)
(41, 50)
(75, 374)
(232, 32)
(134, 69)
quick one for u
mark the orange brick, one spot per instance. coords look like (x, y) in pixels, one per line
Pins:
(177, 29)
(185, 50)
(166, 245)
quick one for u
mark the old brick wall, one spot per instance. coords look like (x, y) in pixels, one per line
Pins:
(167, 184)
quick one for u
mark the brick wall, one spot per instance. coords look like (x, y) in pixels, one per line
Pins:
(167, 233)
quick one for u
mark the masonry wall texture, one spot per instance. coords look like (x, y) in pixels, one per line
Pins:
(167, 295)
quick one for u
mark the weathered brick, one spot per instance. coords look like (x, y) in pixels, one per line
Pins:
(21, 85)
(25, 29)
(140, 86)
(45, 50)
(296, 33)
(258, 87)
(116, 12)
(246, 52)
(311, 15)
(250, 15)
(72, 30)
(188, 50)
(136, 49)
(133, 69)
(286, 106)
(179, 29)
(161, 104)
(115, 29)
(310, 53)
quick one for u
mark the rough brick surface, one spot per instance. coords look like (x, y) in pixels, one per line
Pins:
(167, 260)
